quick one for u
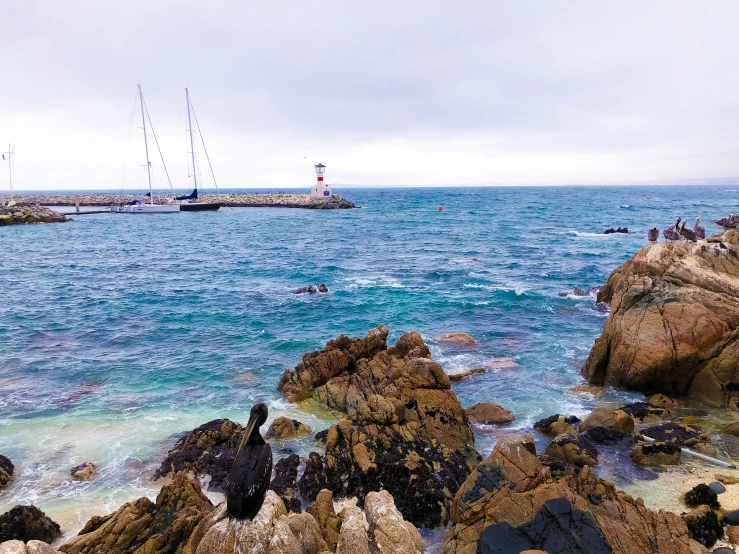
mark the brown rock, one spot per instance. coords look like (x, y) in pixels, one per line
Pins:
(557, 425)
(353, 536)
(672, 327)
(732, 533)
(461, 375)
(610, 419)
(328, 522)
(145, 527)
(572, 450)
(732, 429)
(689, 436)
(511, 486)
(655, 454)
(286, 428)
(595, 390)
(84, 472)
(456, 338)
(662, 400)
(388, 532)
(489, 413)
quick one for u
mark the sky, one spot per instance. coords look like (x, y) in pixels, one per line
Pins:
(478, 92)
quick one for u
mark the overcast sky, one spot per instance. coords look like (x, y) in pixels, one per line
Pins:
(383, 92)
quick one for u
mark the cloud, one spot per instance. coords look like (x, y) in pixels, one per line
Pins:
(472, 92)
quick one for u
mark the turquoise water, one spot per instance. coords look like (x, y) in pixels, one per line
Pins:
(118, 331)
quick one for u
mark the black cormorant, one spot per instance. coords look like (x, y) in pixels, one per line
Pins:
(248, 481)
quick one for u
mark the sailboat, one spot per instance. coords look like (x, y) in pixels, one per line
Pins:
(191, 203)
(137, 206)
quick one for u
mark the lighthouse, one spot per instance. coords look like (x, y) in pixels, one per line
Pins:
(321, 190)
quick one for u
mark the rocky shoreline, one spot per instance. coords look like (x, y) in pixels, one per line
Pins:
(26, 213)
(401, 454)
(234, 200)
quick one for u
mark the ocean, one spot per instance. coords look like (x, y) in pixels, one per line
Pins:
(118, 332)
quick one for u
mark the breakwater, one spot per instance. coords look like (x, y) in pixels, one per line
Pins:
(235, 200)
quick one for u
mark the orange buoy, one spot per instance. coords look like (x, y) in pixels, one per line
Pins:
(441, 208)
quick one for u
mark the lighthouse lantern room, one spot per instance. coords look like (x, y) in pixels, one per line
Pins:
(321, 190)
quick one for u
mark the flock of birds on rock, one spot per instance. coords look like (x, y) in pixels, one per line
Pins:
(679, 232)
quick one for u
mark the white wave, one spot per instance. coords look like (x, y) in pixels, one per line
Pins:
(518, 288)
(375, 281)
(625, 206)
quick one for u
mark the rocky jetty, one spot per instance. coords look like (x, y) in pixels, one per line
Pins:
(25, 212)
(379, 528)
(513, 496)
(146, 527)
(6, 471)
(235, 200)
(404, 431)
(673, 322)
(28, 523)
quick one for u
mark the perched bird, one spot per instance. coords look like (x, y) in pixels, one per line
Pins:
(687, 233)
(727, 222)
(700, 232)
(248, 481)
(671, 233)
(653, 234)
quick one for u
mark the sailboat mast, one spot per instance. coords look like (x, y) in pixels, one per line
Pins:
(10, 171)
(146, 146)
(192, 145)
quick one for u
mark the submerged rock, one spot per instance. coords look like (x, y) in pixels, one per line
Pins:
(456, 338)
(28, 523)
(557, 527)
(603, 435)
(655, 454)
(703, 526)
(206, 450)
(6, 471)
(286, 428)
(405, 430)
(489, 413)
(611, 230)
(700, 495)
(144, 526)
(84, 472)
(672, 324)
(511, 486)
(461, 375)
(557, 424)
(689, 436)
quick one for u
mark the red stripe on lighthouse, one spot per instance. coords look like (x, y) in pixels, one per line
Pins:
(320, 179)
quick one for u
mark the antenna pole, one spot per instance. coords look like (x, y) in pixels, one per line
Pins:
(192, 145)
(146, 146)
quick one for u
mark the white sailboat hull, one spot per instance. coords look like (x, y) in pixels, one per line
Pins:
(147, 209)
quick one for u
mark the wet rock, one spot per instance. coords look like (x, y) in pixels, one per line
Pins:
(388, 532)
(584, 292)
(329, 523)
(206, 450)
(718, 488)
(310, 289)
(313, 479)
(28, 523)
(703, 526)
(556, 425)
(285, 483)
(595, 390)
(619, 230)
(144, 526)
(603, 435)
(644, 412)
(84, 472)
(321, 436)
(672, 324)
(489, 413)
(6, 471)
(322, 288)
(461, 375)
(732, 518)
(511, 486)
(700, 495)
(572, 450)
(689, 436)
(662, 400)
(608, 418)
(286, 428)
(405, 430)
(555, 525)
(456, 338)
(655, 454)
(732, 429)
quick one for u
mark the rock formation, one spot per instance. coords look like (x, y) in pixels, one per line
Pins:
(28, 523)
(405, 430)
(28, 213)
(557, 424)
(207, 450)
(145, 527)
(673, 323)
(6, 471)
(31, 547)
(286, 428)
(512, 486)
(285, 483)
(489, 413)
(456, 338)
(84, 472)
